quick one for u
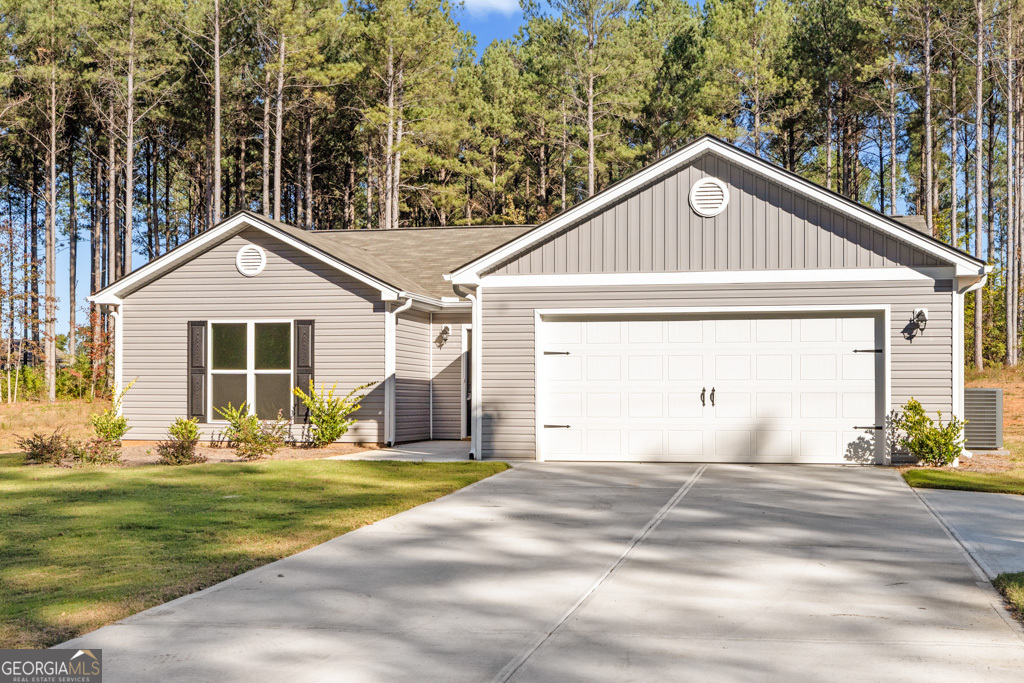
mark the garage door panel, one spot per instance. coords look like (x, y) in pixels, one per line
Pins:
(785, 389)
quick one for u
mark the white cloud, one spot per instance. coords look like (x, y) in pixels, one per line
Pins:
(481, 8)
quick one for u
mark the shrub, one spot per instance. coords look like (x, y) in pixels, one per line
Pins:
(252, 438)
(933, 445)
(43, 449)
(329, 414)
(180, 446)
(110, 425)
(96, 451)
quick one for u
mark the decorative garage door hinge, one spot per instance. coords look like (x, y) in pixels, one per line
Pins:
(556, 353)
(868, 350)
(557, 426)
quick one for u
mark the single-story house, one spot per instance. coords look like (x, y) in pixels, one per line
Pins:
(712, 307)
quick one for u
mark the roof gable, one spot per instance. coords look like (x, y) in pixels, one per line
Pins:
(765, 226)
(775, 220)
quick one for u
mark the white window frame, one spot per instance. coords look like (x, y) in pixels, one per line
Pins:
(250, 363)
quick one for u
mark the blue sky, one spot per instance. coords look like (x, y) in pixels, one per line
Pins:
(491, 20)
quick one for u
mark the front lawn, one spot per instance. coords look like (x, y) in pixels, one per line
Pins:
(1012, 588)
(81, 548)
(1011, 481)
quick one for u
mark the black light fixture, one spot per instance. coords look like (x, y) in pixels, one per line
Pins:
(920, 318)
(445, 333)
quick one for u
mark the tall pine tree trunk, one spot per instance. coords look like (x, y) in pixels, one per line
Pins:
(307, 140)
(266, 142)
(72, 251)
(129, 148)
(954, 200)
(50, 331)
(979, 103)
(216, 114)
(929, 180)
(1011, 229)
(279, 127)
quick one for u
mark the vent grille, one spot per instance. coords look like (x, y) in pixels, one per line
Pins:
(983, 409)
(250, 260)
(709, 197)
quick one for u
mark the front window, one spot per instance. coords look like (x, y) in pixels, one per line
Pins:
(251, 364)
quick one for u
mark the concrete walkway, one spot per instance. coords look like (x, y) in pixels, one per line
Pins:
(989, 525)
(425, 451)
(603, 573)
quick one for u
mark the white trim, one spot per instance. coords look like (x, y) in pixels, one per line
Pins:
(466, 330)
(250, 370)
(118, 317)
(470, 273)
(110, 294)
(430, 373)
(898, 274)
(709, 180)
(958, 354)
(542, 315)
(476, 388)
(391, 369)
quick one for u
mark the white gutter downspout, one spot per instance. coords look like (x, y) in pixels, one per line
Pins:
(390, 368)
(476, 363)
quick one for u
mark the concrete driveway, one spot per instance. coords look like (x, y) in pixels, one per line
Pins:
(603, 573)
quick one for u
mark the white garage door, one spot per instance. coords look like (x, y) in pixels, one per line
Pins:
(771, 389)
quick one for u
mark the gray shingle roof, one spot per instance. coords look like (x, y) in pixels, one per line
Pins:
(409, 259)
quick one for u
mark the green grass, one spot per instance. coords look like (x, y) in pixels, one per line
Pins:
(987, 482)
(1012, 588)
(82, 548)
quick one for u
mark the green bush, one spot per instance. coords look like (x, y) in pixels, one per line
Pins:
(47, 449)
(180, 446)
(933, 445)
(110, 425)
(96, 451)
(329, 414)
(252, 438)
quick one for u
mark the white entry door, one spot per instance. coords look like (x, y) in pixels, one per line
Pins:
(770, 389)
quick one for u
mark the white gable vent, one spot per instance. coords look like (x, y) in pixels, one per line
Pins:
(709, 197)
(250, 260)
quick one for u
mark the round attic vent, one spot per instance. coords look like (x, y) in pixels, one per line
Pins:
(250, 260)
(709, 197)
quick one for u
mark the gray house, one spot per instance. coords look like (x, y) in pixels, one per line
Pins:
(712, 307)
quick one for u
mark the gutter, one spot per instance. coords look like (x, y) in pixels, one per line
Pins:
(390, 368)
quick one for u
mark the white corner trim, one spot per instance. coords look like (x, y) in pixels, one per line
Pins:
(118, 317)
(884, 311)
(469, 273)
(391, 368)
(720, 277)
(466, 331)
(476, 388)
(958, 354)
(237, 223)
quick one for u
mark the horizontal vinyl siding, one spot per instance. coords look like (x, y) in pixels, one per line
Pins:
(922, 368)
(446, 375)
(349, 336)
(764, 227)
(412, 376)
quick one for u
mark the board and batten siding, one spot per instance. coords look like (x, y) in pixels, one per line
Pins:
(921, 368)
(764, 227)
(349, 336)
(412, 376)
(446, 374)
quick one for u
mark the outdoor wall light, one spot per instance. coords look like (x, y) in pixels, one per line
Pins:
(445, 333)
(921, 317)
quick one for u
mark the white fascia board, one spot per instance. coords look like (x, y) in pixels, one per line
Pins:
(469, 274)
(898, 274)
(227, 228)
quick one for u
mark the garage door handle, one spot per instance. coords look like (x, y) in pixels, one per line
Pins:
(712, 397)
(557, 426)
(703, 389)
(871, 427)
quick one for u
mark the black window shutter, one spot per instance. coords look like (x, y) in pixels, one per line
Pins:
(304, 360)
(197, 369)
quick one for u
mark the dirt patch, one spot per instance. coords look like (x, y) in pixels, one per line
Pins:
(138, 454)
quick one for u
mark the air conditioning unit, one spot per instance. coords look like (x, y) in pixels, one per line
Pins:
(983, 409)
